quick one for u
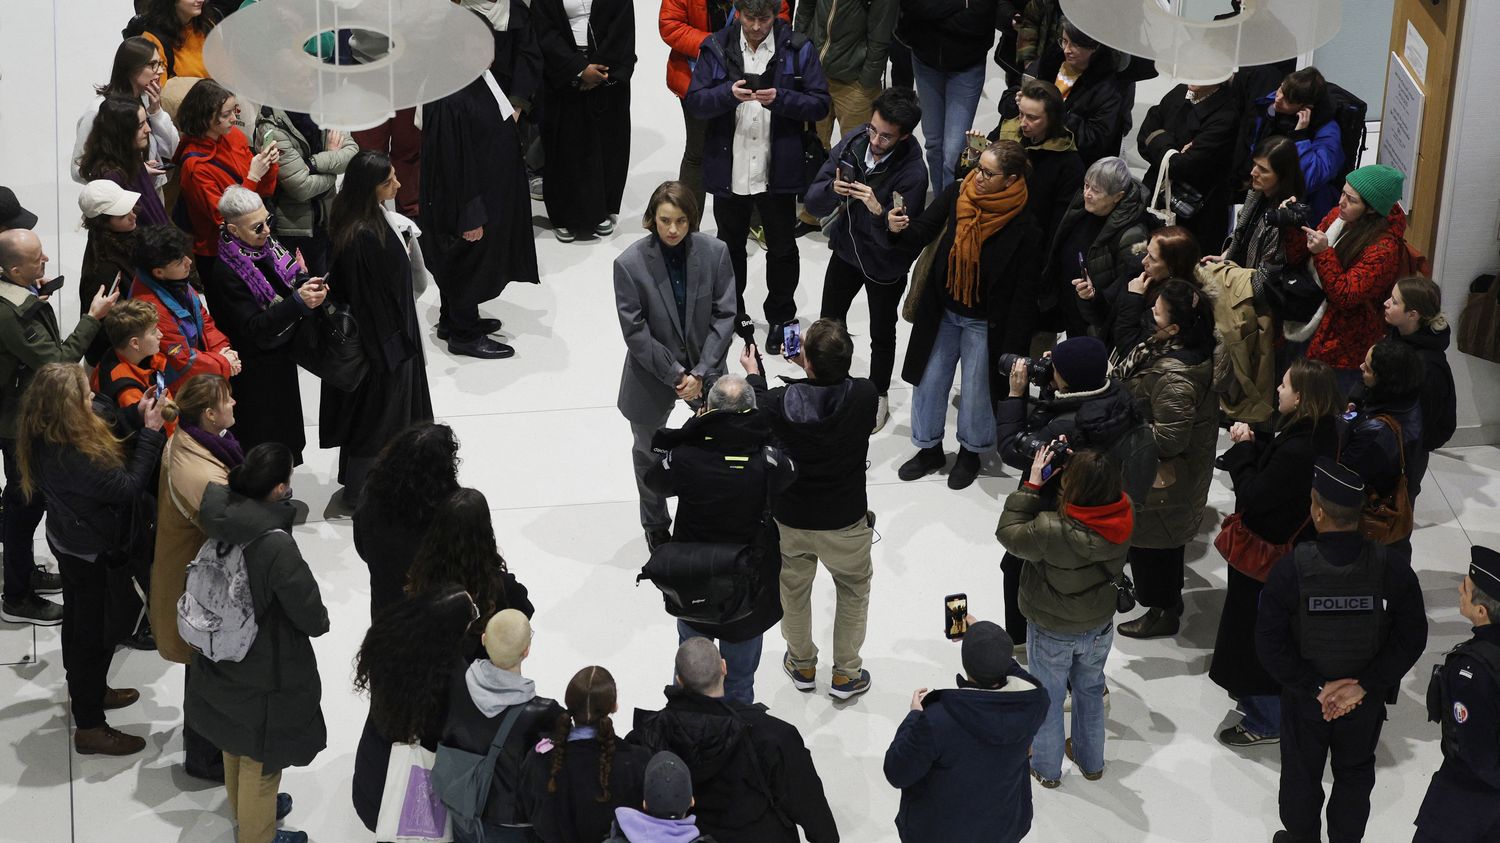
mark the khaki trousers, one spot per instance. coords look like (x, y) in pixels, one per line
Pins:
(252, 798)
(846, 555)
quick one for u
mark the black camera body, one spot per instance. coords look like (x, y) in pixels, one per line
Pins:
(1038, 370)
(1291, 215)
(1030, 443)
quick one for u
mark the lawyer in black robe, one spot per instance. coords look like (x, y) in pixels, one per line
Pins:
(586, 132)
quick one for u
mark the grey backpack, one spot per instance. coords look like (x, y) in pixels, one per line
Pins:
(216, 613)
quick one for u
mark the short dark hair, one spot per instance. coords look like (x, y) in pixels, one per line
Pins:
(1191, 311)
(1281, 153)
(1304, 87)
(1011, 157)
(899, 106)
(672, 193)
(266, 466)
(200, 107)
(1051, 99)
(757, 8)
(1078, 36)
(1398, 371)
(159, 245)
(829, 349)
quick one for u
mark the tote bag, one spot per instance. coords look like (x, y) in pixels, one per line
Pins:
(410, 810)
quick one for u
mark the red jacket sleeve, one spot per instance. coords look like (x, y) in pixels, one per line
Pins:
(1368, 280)
(677, 31)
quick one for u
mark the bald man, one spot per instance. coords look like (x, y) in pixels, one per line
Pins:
(482, 694)
(29, 340)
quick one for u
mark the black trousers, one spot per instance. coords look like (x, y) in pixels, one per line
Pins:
(902, 75)
(86, 648)
(201, 757)
(1015, 622)
(462, 282)
(1158, 575)
(1307, 742)
(841, 283)
(778, 213)
(18, 527)
(690, 172)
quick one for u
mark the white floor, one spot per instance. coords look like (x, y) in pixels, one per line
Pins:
(543, 441)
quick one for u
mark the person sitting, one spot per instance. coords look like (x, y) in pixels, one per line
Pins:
(959, 757)
(574, 779)
(261, 295)
(481, 695)
(132, 365)
(459, 546)
(1383, 440)
(1414, 312)
(1056, 167)
(756, 781)
(116, 149)
(1300, 109)
(190, 338)
(1097, 242)
(312, 159)
(264, 711)
(664, 813)
(1199, 124)
(109, 218)
(177, 29)
(136, 74)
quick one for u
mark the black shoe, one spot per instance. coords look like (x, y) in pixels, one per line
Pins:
(1156, 623)
(924, 463)
(486, 325)
(965, 469)
(283, 805)
(773, 337)
(33, 610)
(803, 228)
(657, 538)
(44, 581)
(142, 640)
(483, 347)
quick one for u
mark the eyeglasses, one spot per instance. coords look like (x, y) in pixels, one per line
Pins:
(265, 225)
(884, 136)
(1064, 43)
(154, 66)
(985, 175)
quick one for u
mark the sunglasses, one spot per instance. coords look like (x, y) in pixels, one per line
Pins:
(265, 225)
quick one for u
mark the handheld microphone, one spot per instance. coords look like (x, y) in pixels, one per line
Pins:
(745, 328)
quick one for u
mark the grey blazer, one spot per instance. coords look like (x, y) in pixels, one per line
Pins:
(658, 347)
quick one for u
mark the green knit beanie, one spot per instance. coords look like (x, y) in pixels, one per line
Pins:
(1379, 185)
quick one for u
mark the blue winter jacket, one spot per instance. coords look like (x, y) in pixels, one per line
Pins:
(854, 235)
(801, 97)
(1322, 156)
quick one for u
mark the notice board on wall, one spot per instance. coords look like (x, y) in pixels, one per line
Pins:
(1401, 125)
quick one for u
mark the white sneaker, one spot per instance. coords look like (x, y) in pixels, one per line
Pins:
(606, 228)
(563, 235)
(1068, 702)
(882, 413)
(535, 185)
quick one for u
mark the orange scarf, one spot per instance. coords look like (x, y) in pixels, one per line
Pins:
(976, 219)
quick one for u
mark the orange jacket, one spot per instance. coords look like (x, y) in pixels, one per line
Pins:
(208, 167)
(684, 26)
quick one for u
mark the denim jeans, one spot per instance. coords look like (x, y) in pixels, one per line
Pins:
(960, 341)
(949, 100)
(741, 659)
(1061, 660)
(1262, 713)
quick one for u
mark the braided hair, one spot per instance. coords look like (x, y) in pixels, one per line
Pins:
(590, 700)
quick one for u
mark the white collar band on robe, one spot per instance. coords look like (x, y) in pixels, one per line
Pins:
(497, 12)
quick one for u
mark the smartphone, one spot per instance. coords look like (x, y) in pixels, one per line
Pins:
(791, 339)
(753, 81)
(898, 202)
(50, 287)
(161, 383)
(955, 615)
(1083, 265)
(978, 143)
(845, 172)
(115, 285)
(167, 165)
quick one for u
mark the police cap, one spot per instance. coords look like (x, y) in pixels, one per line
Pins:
(1337, 483)
(1484, 570)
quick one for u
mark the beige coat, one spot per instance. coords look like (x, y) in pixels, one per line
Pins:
(1245, 363)
(186, 470)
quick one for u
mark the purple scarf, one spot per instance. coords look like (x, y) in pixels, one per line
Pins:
(242, 260)
(226, 449)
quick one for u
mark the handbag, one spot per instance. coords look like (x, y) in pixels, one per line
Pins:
(410, 810)
(1124, 590)
(1246, 551)
(1389, 519)
(1176, 200)
(1479, 324)
(1293, 294)
(919, 278)
(327, 343)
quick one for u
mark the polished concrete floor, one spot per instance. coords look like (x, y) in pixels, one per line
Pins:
(543, 441)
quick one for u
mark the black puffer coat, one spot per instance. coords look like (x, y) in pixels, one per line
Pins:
(1094, 418)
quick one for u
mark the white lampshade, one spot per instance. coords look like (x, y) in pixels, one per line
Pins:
(1205, 51)
(436, 48)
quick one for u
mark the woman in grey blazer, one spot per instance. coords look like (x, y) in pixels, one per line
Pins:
(674, 289)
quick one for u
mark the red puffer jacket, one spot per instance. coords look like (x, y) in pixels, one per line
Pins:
(684, 26)
(1356, 294)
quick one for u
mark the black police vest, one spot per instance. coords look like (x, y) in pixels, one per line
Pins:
(1440, 701)
(1341, 622)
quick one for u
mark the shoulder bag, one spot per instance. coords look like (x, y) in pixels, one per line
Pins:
(1247, 552)
(1479, 324)
(327, 343)
(813, 153)
(1389, 519)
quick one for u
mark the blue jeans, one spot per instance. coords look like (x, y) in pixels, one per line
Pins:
(960, 340)
(741, 660)
(1061, 660)
(1262, 713)
(949, 100)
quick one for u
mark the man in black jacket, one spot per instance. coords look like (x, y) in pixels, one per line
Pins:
(1341, 621)
(1199, 124)
(823, 422)
(724, 471)
(753, 778)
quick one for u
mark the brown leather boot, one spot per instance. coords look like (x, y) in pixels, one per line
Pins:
(105, 740)
(119, 697)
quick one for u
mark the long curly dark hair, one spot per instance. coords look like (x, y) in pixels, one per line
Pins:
(459, 546)
(404, 661)
(161, 16)
(111, 144)
(590, 699)
(414, 473)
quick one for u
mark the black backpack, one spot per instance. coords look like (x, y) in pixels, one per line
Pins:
(1349, 113)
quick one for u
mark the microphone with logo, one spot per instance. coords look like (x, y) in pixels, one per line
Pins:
(745, 328)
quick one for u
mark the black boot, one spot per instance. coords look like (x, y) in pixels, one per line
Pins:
(1156, 623)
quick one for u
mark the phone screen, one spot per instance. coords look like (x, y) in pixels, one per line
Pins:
(791, 340)
(955, 616)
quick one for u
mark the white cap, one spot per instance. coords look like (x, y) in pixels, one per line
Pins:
(103, 196)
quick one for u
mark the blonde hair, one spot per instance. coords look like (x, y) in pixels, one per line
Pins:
(1422, 294)
(55, 410)
(200, 394)
(127, 320)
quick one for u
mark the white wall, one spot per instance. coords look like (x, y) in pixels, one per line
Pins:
(1466, 243)
(1356, 58)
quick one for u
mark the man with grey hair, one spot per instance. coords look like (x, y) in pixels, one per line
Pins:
(758, 780)
(724, 470)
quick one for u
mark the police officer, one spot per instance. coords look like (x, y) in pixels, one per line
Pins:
(1341, 621)
(1463, 801)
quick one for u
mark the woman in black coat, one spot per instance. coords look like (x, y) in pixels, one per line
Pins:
(1414, 312)
(1056, 168)
(372, 275)
(1272, 490)
(1095, 102)
(1099, 242)
(976, 303)
(1200, 123)
(588, 61)
(1392, 374)
(460, 547)
(259, 293)
(69, 456)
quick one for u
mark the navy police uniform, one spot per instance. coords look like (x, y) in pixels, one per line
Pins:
(1340, 607)
(1463, 801)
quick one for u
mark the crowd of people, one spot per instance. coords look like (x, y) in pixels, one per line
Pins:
(1269, 293)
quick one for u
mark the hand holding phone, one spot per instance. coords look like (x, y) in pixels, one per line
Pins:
(791, 340)
(114, 286)
(955, 615)
(898, 202)
(50, 287)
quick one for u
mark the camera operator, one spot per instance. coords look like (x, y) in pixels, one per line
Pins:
(1078, 400)
(724, 471)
